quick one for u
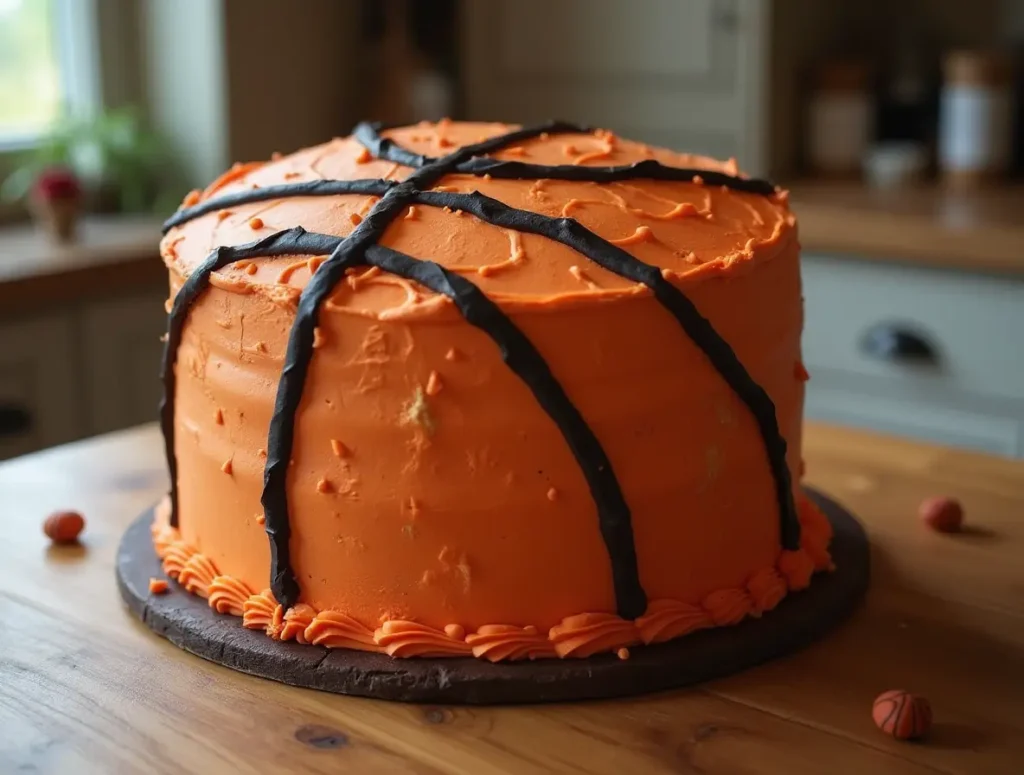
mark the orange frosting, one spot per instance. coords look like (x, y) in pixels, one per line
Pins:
(228, 595)
(427, 487)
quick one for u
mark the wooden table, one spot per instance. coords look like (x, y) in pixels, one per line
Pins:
(86, 688)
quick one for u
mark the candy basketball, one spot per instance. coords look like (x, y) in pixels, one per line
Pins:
(903, 715)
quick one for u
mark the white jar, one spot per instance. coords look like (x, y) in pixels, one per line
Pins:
(840, 119)
(975, 117)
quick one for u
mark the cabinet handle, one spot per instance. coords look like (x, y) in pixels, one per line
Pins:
(14, 420)
(898, 344)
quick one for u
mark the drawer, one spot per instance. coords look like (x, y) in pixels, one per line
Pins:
(946, 334)
(40, 398)
(981, 424)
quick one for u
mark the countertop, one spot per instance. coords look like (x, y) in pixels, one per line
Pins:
(84, 687)
(111, 254)
(975, 231)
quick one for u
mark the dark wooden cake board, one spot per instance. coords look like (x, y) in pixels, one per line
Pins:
(802, 617)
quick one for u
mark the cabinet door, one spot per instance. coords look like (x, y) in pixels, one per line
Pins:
(681, 74)
(122, 363)
(40, 391)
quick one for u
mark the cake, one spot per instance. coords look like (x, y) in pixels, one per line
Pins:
(475, 390)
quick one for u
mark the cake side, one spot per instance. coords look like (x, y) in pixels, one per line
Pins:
(430, 495)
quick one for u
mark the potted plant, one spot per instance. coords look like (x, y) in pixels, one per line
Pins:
(121, 165)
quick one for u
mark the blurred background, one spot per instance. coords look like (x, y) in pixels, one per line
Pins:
(896, 125)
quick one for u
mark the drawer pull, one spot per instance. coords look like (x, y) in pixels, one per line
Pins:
(14, 420)
(897, 344)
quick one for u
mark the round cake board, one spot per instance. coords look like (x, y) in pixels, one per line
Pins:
(802, 617)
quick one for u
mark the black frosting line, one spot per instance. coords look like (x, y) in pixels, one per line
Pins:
(283, 243)
(281, 191)
(648, 169)
(526, 362)
(347, 253)
(369, 136)
(573, 234)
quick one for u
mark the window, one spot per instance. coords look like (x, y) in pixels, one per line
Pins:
(47, 65)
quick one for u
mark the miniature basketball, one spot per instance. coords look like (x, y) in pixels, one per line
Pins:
(903, 715)
(64, 527)
(943, 514)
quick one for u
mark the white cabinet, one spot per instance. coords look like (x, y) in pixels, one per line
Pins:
(927, 353)
(122, 356)
(41, 398)
(687, 75)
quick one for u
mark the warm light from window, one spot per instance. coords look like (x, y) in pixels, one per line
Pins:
(30, 83)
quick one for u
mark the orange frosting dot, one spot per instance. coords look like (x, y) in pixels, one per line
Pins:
(622, 653)
(356, 218)
(455, 631)
(227, 467)
(192, 197)
(158, 586)
(339, 449)
(256, 223)
(434, 384)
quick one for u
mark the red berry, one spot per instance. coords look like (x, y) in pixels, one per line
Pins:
(63, 527)
(943, 514)
(903, 715)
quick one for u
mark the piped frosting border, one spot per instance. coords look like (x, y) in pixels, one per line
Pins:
(577, 636)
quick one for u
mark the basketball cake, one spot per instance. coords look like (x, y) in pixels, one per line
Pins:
(474, 390)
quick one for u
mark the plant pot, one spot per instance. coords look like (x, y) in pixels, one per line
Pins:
(57, 217)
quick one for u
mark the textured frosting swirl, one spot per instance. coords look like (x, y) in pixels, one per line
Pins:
(198, 574)
(228, 595)
(668, 619)
(766, 589)
(584, 635)
(401, 638)
(263, 612)
(500, 642)
(176, 556)
(336, 630)
(728, 606)
(296, 620)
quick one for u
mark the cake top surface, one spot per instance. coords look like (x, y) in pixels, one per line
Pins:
(691, 229)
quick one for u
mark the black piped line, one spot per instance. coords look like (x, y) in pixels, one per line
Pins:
(283, 243)
(648, 169)
(349, 252)
(571, 233)
(368, 135)
(527, 363)
(281, 191)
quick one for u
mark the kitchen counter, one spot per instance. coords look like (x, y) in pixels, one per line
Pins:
(111, 255)
(976, 231)
(84, 687)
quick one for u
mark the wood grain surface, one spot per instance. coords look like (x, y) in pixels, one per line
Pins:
(976, 231)
(84, 688)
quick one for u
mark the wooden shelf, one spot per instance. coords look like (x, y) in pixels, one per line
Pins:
(979, 231)
(112, 254)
